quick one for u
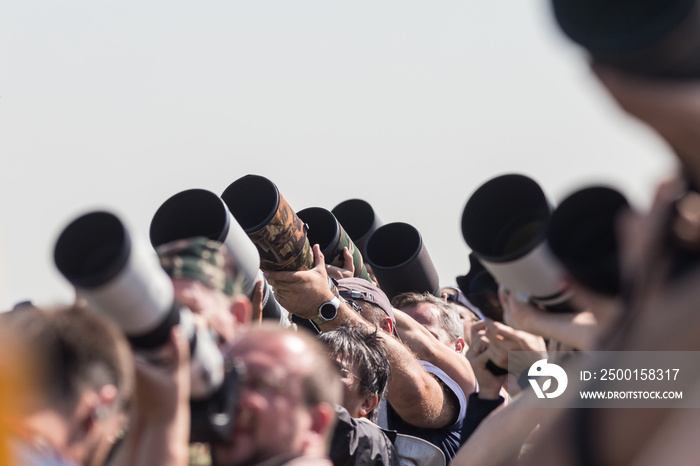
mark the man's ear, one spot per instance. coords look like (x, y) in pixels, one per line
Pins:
(387, 325)
(242, 310)
(322, 419)
(368, 404)
(460, 345)
(106, 400)
(97, 406)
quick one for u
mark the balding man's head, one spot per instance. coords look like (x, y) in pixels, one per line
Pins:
(289, 389)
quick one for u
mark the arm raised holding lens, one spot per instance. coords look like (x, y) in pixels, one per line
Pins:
(415, 394)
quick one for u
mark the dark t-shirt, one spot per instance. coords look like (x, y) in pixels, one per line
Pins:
(448, 438)
(359, 442)
(477, 411)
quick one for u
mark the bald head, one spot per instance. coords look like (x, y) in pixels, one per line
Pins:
(288, 392)
(297, 353)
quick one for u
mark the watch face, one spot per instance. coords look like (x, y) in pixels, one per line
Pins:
(328, 311)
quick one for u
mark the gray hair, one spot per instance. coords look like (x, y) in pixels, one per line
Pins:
(447, 315)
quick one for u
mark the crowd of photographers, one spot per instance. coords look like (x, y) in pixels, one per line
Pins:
(247, 338)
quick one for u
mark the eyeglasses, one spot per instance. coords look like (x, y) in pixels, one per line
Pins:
(348, 374)
(263, 382)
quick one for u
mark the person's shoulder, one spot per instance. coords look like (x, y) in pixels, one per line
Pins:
(447, 382)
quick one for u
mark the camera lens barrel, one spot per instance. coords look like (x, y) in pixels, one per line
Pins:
(505, 224)
(198, 212)
(118, 277)
(582, 235)
(270, 222)
(325, 230)
(357, 218)
(123, 280)
(400, 261)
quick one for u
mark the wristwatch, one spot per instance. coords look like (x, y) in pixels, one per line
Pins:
(327, 311)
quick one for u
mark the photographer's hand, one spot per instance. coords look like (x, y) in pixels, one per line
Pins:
(517, 314)
(489, 384)
(164, 386)
(513, 349)
(346, 271)
(302, 292)
(160, 418)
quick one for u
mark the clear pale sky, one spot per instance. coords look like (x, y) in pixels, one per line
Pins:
(410, 105)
